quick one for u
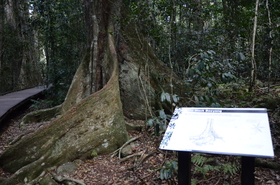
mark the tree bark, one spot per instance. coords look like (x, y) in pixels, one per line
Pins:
(96, 125)
(270, 44)
(2, 21)
(253, 61)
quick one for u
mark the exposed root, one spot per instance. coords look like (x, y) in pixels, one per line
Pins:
(130, 156)
(66, 179)
(120, 149)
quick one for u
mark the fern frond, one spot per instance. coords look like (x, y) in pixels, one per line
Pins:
(231, 168)
(199, 160)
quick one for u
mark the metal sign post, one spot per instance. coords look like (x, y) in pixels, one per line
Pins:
(184, 169)
(248, 170)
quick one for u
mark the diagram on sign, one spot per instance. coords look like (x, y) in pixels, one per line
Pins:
(257, 127)
(208, 135)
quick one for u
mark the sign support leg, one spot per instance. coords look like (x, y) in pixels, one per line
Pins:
(184, 168)
(248, 169)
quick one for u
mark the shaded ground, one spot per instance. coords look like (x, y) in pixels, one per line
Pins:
(146, 161)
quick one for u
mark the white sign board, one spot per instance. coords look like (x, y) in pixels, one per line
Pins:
(231, 131)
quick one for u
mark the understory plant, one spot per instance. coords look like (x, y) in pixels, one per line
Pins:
(203, 76)
(168, 171)
(159, 123)
(203, 166)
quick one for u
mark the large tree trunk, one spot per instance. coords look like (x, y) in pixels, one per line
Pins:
(18, 55)
(122, 64)
(96, 125)
(142, 76)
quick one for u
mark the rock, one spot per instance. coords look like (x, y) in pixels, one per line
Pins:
(126, 151)
(66, 168)
(78, 162)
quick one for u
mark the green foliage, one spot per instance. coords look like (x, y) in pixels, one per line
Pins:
(205, 165)
(94, 153)
(62, 39)
(205, 101)
(230, 168)
(202, 166)
(168, 170)
(12, 47)
(200, 160)
(203, 77)
(268, 101)
(41, 104)
(159, 123)
(206, 72)
(212, 43)
(54, 96)
(170, 98)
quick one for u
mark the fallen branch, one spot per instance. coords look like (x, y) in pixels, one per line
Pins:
(130, 156)
(120, 149)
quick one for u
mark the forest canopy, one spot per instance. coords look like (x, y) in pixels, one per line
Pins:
(205, 42)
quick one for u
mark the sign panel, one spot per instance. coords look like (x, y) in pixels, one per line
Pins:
(231, 131)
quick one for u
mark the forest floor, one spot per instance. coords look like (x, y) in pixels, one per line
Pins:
(146, 161)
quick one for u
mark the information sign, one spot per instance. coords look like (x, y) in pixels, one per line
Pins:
(230, 131)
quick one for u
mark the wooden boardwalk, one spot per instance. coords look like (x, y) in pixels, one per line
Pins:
(11, 101)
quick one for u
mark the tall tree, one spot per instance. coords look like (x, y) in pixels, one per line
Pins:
(18, 53)
(253, 61)
(127, 78)
(2, 20)
(270, 43)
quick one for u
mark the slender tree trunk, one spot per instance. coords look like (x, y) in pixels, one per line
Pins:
(270, 44)
(198, 22)
(253, 61)
(172, 41)
(2, 21)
